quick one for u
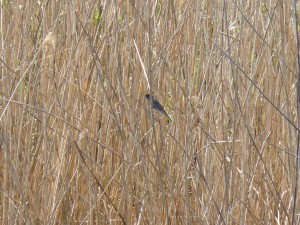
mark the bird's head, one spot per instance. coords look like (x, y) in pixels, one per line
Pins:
(148, 97)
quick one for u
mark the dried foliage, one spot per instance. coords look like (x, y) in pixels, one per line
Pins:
(80, 145)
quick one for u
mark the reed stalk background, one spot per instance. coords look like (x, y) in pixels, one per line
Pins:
(80, 145)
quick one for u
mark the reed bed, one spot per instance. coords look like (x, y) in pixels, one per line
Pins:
(80, 144)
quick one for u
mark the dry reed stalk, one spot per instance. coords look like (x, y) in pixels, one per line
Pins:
(77, 143)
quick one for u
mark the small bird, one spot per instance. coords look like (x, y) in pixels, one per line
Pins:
(156, 105)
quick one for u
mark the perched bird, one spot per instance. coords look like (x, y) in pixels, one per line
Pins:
(156, 105)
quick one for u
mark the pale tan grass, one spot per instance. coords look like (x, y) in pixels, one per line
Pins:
(79, 144)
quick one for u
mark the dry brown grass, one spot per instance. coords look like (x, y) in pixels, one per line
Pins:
(77, 144)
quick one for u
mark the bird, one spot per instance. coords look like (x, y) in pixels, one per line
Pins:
(156, 105)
